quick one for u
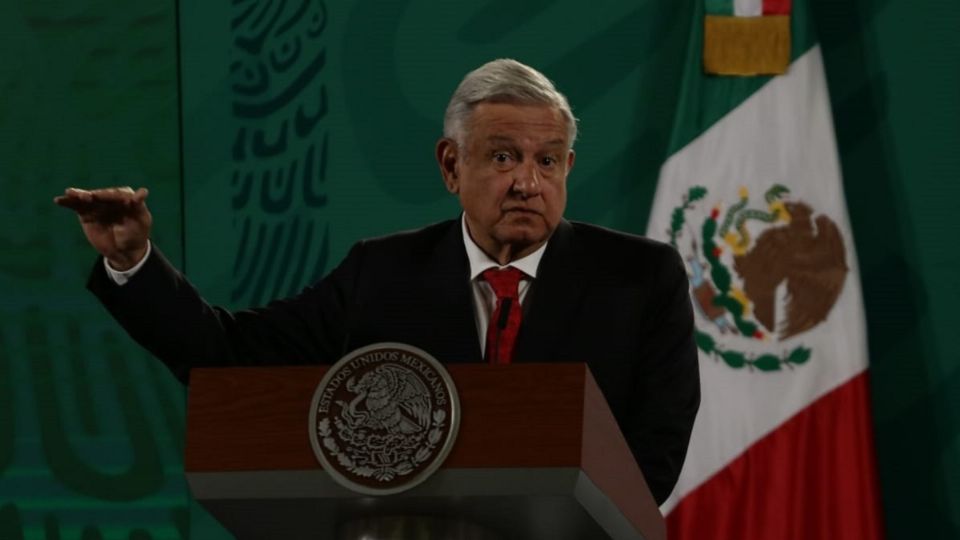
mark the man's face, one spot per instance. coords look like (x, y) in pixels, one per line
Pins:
(510, 175)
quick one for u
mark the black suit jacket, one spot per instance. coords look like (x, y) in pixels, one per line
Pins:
(616, 301)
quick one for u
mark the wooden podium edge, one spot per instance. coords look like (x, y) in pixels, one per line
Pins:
(604, 452)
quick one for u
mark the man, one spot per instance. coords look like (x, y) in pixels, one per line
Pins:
(510, 281)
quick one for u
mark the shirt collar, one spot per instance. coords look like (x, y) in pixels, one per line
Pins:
(480, 261)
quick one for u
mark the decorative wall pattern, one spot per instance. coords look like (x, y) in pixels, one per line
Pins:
(280, 146)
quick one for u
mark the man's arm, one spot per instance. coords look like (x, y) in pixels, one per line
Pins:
(668, 384)
(163, 312)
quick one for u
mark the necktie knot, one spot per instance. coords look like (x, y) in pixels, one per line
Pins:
(505, 282)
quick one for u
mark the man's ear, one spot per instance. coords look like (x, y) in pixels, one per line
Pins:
(447, 154)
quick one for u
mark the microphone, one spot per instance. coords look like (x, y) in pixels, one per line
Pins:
(505, 306)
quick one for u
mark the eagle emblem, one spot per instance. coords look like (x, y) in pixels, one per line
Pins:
(388, 399)
(759, 273)
(383, 418)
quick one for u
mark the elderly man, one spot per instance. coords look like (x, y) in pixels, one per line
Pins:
(509, 281)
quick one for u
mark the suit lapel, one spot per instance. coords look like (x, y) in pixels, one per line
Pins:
(449, 301)
(554, 300)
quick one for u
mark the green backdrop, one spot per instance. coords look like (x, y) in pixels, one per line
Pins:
(274, 134)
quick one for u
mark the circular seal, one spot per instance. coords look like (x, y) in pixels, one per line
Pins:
(384, 418)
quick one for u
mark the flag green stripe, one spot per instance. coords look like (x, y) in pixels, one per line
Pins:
(705, 99)
(719, 7)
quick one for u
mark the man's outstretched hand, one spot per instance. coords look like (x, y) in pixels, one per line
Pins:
(116, 221)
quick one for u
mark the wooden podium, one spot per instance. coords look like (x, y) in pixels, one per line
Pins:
(538, 456)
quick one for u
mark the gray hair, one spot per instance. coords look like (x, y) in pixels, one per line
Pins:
(503, 81)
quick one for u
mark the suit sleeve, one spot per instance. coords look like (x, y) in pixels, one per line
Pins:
(165, 314)
(668, 381)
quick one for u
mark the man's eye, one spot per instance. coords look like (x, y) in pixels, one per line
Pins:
(501, 157)
(548, 161)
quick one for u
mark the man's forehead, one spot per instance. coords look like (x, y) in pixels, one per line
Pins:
(505, 139)
(544, 116)
(518, 125)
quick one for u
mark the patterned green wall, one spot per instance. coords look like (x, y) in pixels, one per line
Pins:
(91, 430)
(308, 124)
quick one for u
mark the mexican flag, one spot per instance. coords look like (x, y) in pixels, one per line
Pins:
(752, 198)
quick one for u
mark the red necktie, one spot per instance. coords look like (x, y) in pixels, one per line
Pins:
(505, 320)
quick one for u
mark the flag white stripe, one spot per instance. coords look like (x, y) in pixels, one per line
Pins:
(748, 8)
(782, 134)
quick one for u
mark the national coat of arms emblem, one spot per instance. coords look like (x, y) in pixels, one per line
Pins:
(384, 418)
(759, 275)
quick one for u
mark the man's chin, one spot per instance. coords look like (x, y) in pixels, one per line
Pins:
(521, 237)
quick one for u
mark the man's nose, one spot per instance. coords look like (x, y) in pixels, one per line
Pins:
(527, 180)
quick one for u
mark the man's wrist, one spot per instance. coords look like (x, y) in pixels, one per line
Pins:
(125, 262)
(120, 277)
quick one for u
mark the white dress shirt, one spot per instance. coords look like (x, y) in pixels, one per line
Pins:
(484, 299)
(121, 277)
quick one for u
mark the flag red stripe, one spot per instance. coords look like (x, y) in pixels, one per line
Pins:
(776, 7)
(813, 477)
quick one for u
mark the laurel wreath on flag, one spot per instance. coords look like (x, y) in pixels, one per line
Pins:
(721, 277)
